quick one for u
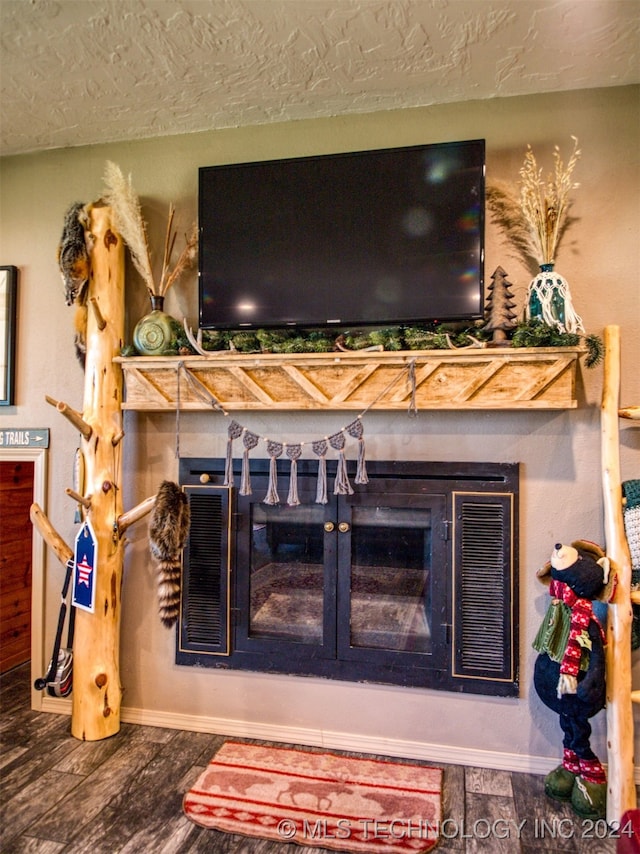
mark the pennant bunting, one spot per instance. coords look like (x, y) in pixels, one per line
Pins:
(275, 449)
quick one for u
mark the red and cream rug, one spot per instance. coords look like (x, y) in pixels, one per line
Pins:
(318, 799)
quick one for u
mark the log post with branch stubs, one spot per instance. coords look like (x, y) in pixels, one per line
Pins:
(621, 786)
(97, 691)
(96, 667)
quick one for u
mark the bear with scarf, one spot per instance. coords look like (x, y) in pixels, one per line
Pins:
(569, 674)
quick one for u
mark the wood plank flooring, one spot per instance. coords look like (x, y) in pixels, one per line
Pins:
(124, 795)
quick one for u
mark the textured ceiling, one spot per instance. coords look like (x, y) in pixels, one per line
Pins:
(76, 72)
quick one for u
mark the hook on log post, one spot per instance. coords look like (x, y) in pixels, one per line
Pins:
(49, 534)
(71, 415)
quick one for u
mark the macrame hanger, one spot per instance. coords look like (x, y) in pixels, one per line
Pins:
(249, 440)
(293, 452)
(274, 449)
(342, 485)
(234, 431)
(320, 448)
(337, 441)
(201, 391)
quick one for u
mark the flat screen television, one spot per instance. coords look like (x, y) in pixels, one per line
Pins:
(383, 237)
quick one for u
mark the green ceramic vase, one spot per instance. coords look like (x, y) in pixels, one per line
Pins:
(154, 334)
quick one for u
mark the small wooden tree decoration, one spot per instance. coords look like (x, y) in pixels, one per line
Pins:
(499, 309)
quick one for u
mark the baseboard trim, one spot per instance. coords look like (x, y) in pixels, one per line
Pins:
(397, 748)
(445, 754)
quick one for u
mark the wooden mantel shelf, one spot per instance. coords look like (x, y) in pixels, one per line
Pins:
(505, 378)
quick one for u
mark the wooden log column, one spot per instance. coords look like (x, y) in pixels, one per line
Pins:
(97, 691)
(621, 788)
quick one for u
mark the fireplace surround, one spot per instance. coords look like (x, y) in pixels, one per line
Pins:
(409, 580)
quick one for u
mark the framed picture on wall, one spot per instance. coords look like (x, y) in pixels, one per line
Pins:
(8, 294)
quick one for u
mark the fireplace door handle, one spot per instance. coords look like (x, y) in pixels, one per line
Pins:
(344, 527)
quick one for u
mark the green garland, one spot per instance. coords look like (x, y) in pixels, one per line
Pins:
(435, 336)
(537, 334)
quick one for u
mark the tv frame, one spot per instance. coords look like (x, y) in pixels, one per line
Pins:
(338, 323)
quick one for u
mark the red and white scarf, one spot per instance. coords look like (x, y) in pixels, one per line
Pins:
(581, 614)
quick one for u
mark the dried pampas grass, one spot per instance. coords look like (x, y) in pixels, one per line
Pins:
(535, 216)
(127, 212)
(123, 200)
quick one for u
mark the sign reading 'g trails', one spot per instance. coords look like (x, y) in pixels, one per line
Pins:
(24, 438)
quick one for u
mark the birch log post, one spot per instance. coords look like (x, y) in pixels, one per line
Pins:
(621, 788)
(97, 690)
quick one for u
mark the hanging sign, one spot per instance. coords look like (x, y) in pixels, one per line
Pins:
(24, 438)
(86, 561)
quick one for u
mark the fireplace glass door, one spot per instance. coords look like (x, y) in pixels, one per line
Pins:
(390, 579)
(389, 558)
(286, 573)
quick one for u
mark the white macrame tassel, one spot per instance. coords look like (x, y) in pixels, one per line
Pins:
(274, 449)
(356, 431)
(342, 485)
(249, 440)
(233, 432)
(293, 452)
(320, 448)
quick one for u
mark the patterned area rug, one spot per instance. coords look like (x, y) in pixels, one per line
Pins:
(318, 799)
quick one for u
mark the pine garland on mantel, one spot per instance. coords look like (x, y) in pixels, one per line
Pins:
(434, 336)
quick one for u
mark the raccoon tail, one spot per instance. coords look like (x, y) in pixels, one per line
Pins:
(168, 592)
(168, 531)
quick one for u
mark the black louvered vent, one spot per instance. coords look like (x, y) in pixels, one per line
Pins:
(482, 624)
(204, 604)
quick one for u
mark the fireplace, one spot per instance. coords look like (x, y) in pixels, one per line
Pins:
(410, 580)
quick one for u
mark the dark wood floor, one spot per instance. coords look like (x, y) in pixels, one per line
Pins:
(124, 794)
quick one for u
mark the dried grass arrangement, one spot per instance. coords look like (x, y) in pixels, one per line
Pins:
(128, 219)
(536, 216)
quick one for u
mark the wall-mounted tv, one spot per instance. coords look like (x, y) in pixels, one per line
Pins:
(383, 237)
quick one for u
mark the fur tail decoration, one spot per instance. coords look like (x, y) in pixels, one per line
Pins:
(75, 266)
(168, 530)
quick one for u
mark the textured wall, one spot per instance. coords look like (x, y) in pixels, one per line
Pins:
(559, 451)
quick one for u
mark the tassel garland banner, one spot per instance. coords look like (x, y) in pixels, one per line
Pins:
(293, 450)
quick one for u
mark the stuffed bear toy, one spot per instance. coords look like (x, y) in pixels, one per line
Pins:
(569, 674)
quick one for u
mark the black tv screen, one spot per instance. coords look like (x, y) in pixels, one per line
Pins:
(383, 237)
